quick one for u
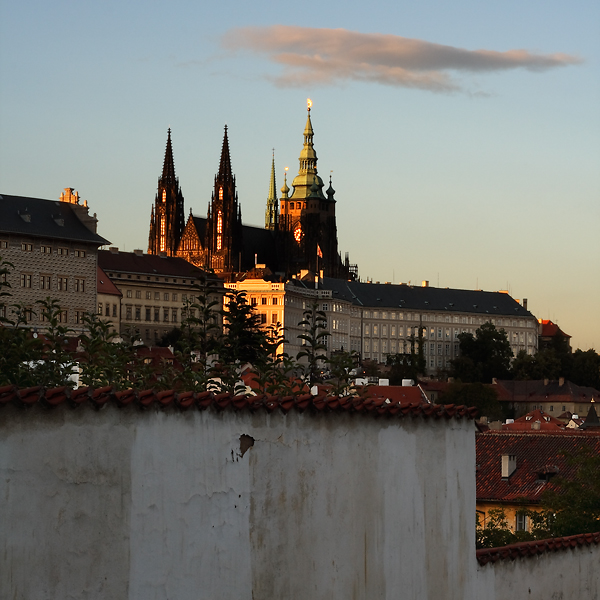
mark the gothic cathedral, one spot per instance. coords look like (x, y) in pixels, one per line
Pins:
(300, 234)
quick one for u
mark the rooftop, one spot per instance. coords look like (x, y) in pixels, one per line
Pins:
(385, 295)
(45, 218)
(539, 456)
(146, 264)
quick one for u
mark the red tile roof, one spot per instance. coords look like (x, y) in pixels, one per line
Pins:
(550, 329)
(538, 453)
(204, 400)
(105, 285)
(524, 549)
(536, 420)
(541, 390)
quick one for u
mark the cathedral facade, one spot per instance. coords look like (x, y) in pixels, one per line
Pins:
(300, 233)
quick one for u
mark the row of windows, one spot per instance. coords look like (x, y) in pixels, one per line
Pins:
(466, 320)
(134, 313)
(27, 247)
(254, 301)
(63, 316)
(62, 283)
(167, 296)
(148, 278)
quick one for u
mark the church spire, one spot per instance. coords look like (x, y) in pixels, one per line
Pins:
(307, 172)
(272, 212)
(225, 174)
(168, 174)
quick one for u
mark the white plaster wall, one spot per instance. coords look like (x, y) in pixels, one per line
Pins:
(149, 505)
(564, 575)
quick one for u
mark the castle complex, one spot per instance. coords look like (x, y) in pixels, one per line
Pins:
(300, 233)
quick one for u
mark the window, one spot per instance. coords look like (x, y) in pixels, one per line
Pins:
(166, 315)
(100, 308)
(107, 310)
(375, 330)
(46, 249)
(129, 294)
(325, 307)
(62, 251)
(174, 315)
(3, 244)
(114, 310)
(253, 302)
(45, 282)
(79, 284)
(521, 522)
(138, 313)
(156, 314)
(263, 300)
(184, 297)
(263, 318)
(148, 295)
(79, 314)
(274, 300)
(274, 318)
(63, 316)
(26, 280)
(138, 294)
(26, 247)
(393, 328)
(62, 284)
(157, 295)
(79, 253)
(166, 296)
(128, 311)
(174, 297)
(148, 316)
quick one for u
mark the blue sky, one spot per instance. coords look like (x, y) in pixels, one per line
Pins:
(464, 138)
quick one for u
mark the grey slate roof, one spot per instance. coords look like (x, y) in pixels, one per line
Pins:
(146, 264)
(406, 297)
(48, 219)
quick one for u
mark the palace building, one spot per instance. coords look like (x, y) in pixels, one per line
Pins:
(300, 233)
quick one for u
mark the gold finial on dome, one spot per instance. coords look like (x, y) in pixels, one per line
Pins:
(308, 104)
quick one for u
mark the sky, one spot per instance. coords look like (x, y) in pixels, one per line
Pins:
(463, 138)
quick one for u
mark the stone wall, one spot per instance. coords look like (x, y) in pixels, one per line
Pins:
(120, 503)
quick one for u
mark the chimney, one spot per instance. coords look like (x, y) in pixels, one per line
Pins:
(525, 303)
(561, 381)
(546, 381)
(114, 250)
(536, 425)
(509, 465)
(424, 283)
(138, 252)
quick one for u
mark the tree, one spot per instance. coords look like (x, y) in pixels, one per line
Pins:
(314, 336)
(483, 356)
(340, 366)
(585, 368)
(482, 396)
(408, 365)
(572, 506)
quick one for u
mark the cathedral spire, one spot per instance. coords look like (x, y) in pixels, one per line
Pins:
(307, 172)
(225, 174)
(272, 212)
(168, 174)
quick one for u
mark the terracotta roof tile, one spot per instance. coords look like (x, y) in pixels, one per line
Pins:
(524, 549)
(539, 453)
(98, 397)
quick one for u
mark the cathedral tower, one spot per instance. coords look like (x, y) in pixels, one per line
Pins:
(167, 218)
(224, 220)
(308, 215)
